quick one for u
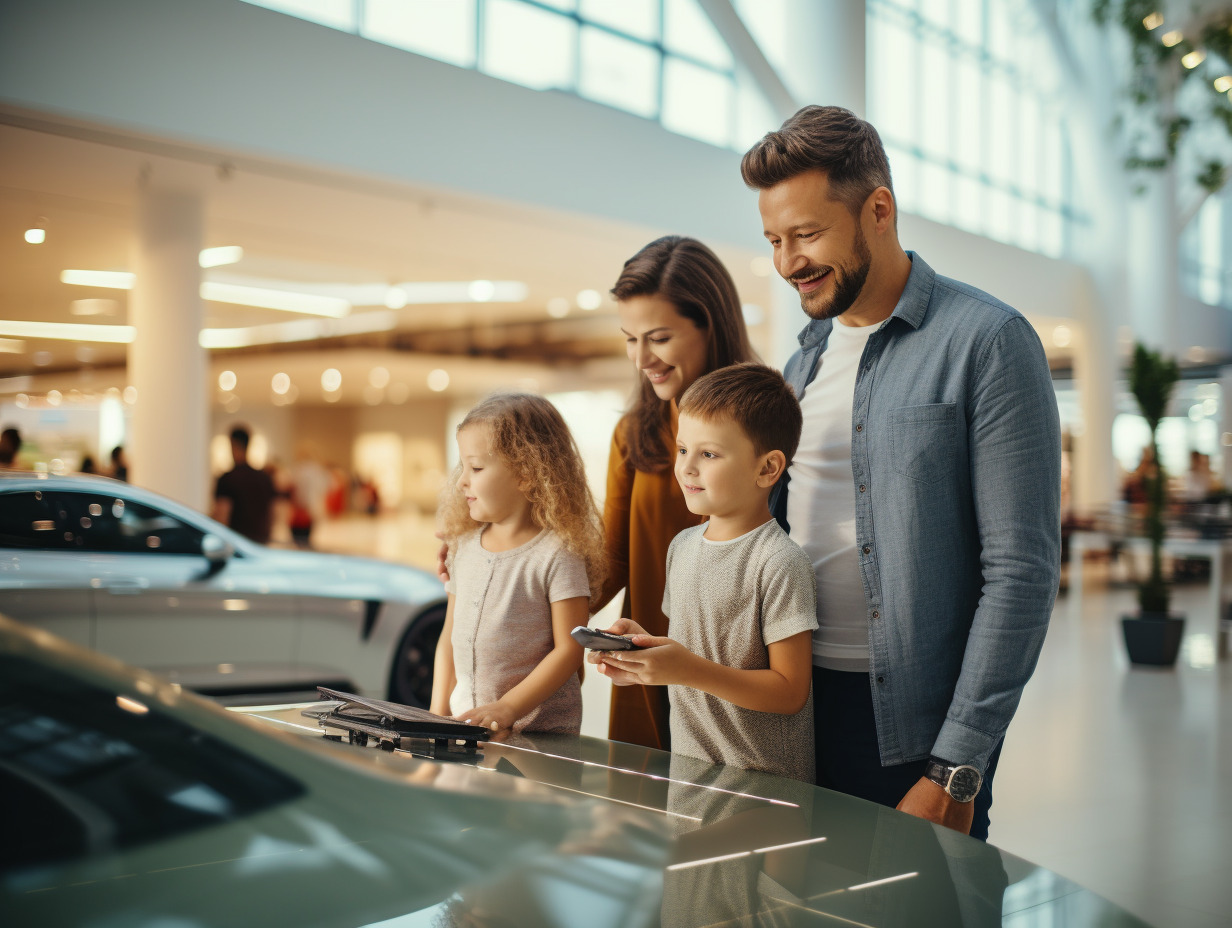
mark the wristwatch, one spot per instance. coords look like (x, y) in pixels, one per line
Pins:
(961, 781)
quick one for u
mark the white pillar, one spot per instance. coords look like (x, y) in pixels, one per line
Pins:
(1093, 479)
(166, 363)
(825, 45)
(1153, 262)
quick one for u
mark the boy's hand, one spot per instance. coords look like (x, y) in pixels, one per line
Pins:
(658, 662)
(495, 716)
(619, 627)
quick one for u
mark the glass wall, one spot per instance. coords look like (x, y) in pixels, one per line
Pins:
(658, 59)
(1206, 252)
(968, 98)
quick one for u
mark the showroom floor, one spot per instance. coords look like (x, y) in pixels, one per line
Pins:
(1119, 778)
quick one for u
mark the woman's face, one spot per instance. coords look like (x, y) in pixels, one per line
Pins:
(668, 349)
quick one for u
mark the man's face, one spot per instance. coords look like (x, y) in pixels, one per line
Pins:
(819, 246)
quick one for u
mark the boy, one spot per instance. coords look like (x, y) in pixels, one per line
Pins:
(740, 596)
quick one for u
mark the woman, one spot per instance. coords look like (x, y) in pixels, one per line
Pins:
(681, 318)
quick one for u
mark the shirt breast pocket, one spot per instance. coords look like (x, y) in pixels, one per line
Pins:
(922, 440)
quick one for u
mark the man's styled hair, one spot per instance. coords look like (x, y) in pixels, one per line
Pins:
(240, 437)
(824, 138)
(756, 398)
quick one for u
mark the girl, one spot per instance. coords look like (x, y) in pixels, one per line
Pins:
(525, 557)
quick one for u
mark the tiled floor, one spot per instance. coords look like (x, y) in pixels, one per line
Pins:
(1117, 777)
(1121, 777)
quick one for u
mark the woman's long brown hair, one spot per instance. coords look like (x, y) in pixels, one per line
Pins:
(691, 277)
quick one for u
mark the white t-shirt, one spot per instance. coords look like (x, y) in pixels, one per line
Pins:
(821, 507)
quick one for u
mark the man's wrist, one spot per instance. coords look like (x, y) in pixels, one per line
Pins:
(961, 782)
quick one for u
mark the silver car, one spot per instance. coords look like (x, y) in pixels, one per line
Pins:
(132, 574)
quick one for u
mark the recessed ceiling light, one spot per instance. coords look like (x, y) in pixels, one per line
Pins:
(112, 280)
(227, 381)
(589, 299)
(438, 380)
(280, 383)
(481, 291)
(331, 380)
(217, 257)
(93, 307)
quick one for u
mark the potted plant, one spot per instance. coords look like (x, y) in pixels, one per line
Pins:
(1153, 636)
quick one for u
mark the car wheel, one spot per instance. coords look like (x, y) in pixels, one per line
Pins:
(411, 681)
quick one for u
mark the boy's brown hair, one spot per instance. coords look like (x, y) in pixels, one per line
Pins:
(756, 398)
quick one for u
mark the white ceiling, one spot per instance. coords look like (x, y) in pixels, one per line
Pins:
(296, 225)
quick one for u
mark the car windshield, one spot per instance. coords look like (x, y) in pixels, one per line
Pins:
(87, 771)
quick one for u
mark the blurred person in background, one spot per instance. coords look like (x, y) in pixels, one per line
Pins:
(309, 485)
(88, 466)
(681, 318)
(10, 445)
(119, 463)
(244, 496)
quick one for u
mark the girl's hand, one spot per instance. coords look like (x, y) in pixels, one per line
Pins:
(619, 627)
(441, 570)
(495, 716)
(658, 662)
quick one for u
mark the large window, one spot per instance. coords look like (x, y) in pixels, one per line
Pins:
(1206, 251)
(659, 59)
(969, 102)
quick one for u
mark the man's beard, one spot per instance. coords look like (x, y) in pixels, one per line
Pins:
(847, 283)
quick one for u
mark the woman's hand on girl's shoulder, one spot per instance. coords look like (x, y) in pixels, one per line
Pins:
(442, 571)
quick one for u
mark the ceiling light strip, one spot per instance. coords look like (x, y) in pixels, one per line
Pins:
(69, 331)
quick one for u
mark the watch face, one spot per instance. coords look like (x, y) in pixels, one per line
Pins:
(964, 784)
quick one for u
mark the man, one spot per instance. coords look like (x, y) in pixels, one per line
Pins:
(10, 445)
(244, 496)
(926, 489)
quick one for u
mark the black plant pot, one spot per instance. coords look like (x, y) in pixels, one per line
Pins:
(1153, 638)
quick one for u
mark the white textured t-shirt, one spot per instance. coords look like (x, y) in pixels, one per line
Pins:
(821, 506)
(728, 601)
(502, 624)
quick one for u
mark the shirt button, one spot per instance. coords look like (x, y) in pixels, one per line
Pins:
(859, 428)
(876, 615)
(861, 488)
(867, 549)
(881, 679)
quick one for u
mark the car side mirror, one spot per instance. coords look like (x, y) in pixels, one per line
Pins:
(217, 551)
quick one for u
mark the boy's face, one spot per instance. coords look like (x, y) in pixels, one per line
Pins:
(718, 469)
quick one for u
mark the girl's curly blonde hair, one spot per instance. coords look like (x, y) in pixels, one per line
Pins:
(530, 437)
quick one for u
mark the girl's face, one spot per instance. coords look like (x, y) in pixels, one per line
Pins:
(668, 349)
(491, 488)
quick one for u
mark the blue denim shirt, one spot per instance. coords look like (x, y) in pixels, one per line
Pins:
(956, 472)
